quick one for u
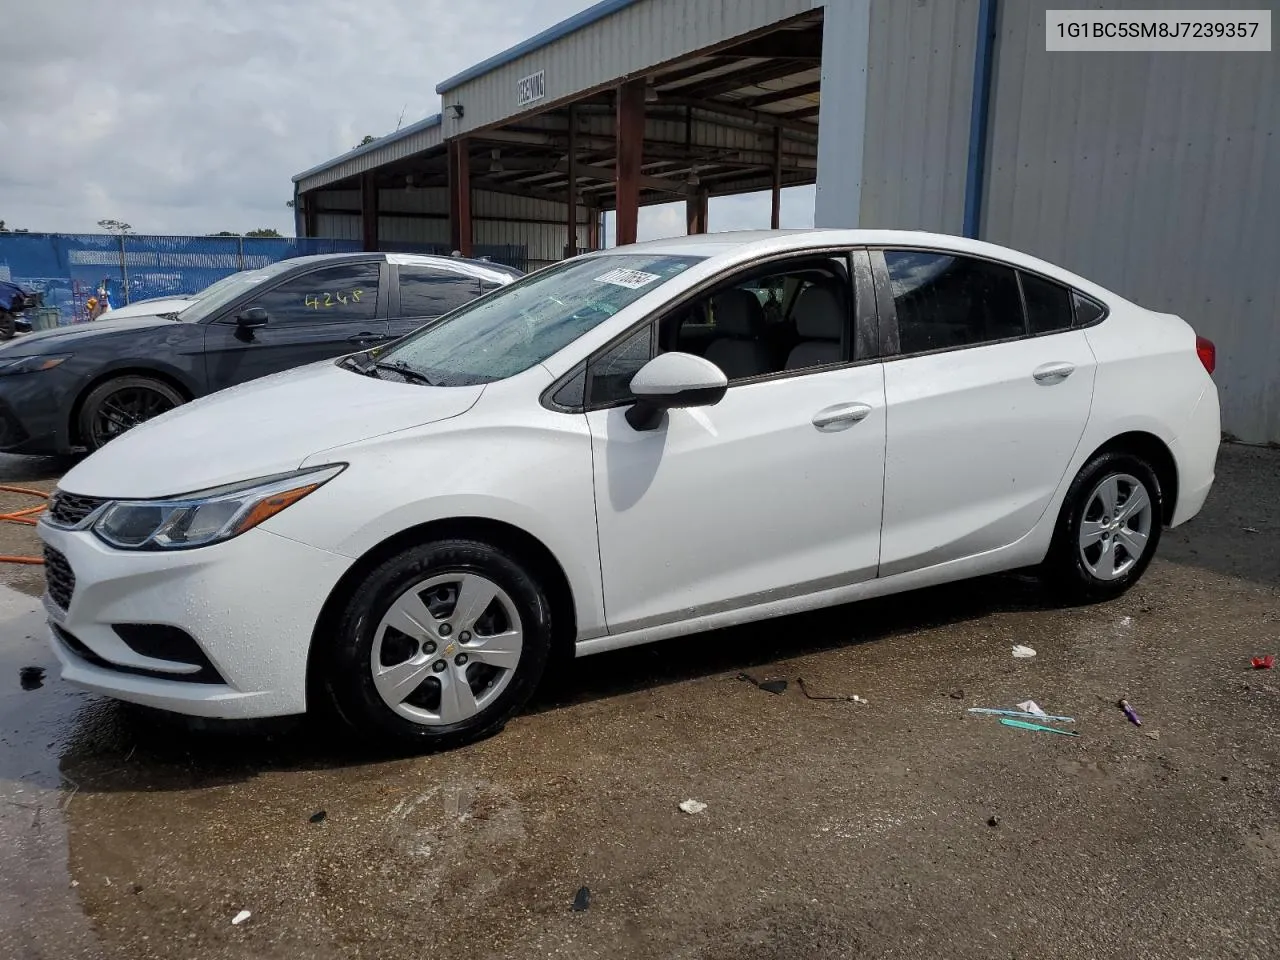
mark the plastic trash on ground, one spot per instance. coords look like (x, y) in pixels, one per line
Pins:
(692, 806)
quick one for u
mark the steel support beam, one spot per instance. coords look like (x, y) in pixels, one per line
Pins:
(775, 213)
(460, 234)
(630, 153)
(571, 224)
(695, 212)
(368, 212)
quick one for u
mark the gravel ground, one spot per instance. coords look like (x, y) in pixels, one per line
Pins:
(904, 827)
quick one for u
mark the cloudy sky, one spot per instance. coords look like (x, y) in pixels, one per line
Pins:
(191, 116)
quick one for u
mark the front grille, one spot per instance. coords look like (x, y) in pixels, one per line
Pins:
(68, 509)
(59, 578)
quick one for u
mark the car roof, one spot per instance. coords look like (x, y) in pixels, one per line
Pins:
(739, 246)
(420, 259)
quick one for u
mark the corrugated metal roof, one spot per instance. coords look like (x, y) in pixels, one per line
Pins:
(406, 141)
(562, 29)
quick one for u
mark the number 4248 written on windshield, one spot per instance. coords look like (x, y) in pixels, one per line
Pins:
(318, 301)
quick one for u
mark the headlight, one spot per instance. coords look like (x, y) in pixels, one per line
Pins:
(30, 364)
(208, 516)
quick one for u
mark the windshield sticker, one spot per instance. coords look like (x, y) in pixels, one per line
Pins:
(631, 279)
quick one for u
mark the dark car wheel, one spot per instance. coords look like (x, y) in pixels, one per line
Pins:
(1108, 529)
(439, 645)
(117, 405)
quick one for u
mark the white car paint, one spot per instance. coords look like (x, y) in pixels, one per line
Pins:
(151, 307)
(774, 500)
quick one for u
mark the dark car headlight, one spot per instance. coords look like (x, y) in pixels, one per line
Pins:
(208, 516)
(15, 365)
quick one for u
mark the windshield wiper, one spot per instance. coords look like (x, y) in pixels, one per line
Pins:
(168, 316)
(407, 372)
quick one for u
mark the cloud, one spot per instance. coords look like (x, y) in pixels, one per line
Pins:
(192, 116)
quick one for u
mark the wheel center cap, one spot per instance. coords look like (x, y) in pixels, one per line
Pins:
(449, 650)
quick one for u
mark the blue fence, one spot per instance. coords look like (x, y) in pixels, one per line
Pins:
(68, 269)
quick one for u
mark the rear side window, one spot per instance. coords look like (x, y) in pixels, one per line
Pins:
(1048, 304)
(1087, 311)
(433, 293)
(944, 301)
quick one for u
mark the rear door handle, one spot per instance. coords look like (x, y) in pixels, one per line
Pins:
(841, 416)
(1053, 372)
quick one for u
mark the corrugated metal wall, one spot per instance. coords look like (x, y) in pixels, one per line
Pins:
(632, 40)
(1156, 174)
(500, 219)
(919, 85)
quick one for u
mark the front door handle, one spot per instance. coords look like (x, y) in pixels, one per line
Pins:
(366, 338)
(1053, 372)
(841, 416)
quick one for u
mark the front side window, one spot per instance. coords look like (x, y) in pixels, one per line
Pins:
(425, 292)
(512, 329)
(214, 297)
(945, 301)
(344, 292)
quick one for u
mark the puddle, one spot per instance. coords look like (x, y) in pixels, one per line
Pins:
(31, 678)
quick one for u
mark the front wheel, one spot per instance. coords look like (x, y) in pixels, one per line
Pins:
(439, 645)
(120, 404)
(1108, 529)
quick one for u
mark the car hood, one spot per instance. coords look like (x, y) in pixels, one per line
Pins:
(258, 429)
(60, 338)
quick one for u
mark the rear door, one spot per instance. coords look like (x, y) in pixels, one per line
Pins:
(424, 293)
(986, 401)
(326, 312)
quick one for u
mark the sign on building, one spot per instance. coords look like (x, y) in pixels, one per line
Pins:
(531, 88)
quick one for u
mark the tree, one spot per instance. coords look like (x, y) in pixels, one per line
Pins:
(223, 233)
(115, 226)
(4, 229)
(366, 139)
(263, 232)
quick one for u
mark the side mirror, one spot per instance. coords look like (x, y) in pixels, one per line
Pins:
(253, 318)
(672, 380)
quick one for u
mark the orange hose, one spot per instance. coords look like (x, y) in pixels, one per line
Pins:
(23, 516)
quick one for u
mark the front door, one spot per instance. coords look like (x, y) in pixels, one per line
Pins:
(987, 402)
(774, 492)
(325, 313)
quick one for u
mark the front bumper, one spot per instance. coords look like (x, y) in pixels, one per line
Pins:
(35, 414)
(250, 605)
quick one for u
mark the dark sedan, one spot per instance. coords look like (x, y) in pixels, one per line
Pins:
(75, 388)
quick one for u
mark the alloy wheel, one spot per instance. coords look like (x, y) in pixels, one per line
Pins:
(1115, 527)
(126, 408)
(446, 648)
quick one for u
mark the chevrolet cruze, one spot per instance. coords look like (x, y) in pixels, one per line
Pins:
(635, 444)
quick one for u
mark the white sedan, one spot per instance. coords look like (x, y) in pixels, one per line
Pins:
(641, 443)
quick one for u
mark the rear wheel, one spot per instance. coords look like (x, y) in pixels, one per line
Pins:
(439, 645)
(118, 405)
(1108, 530)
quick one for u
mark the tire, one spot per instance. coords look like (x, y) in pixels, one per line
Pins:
(1089, 574)
(115, 406)
(419, 714)
(8, 325)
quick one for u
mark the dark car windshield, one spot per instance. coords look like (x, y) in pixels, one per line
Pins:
(512, 329)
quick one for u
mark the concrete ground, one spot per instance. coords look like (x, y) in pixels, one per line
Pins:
(905, 827)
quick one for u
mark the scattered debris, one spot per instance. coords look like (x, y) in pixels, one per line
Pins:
(1264, 663)
(1151, 734)
(1250, 529)
(769, 686)
(1022, 713)
(1225, 779)
(993, 821)
(582, 900)
(1030, 706)
(1129, 712)
(31, 678)
(956, 694)
(852, 698)
(1023, 653)
(240, 918)
(1126, 621)
(1039, 727)
(692, 806)
(318, 816)
(137, 888)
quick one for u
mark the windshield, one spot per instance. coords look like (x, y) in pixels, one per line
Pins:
(215, 296)
(534, 318)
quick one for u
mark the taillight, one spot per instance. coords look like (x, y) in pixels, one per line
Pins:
(1207, 353)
